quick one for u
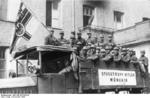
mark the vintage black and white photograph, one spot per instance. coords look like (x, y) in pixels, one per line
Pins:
(74, 46)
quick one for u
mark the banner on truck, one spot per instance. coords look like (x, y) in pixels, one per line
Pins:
(116, 77)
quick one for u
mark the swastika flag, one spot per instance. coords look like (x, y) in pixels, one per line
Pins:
(29, 31)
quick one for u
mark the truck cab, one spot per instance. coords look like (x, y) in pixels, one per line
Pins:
(42, 65)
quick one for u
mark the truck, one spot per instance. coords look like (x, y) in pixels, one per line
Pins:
(43, 64)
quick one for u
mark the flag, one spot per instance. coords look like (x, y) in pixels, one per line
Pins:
(91, 20)
(29, 31)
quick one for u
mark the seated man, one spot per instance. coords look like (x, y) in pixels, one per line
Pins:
(62, 40)
(51, 40)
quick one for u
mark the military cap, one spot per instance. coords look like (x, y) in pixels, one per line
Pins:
(95, 37)
(98, 47)
(103, 50)
(79, 43)
(71, 37)
(110, 36)
(127, 49)
(74, 48)
(85, 48)
(96, 44)
(92, 46)
(131, 50)
(124, 49)
(78, 33)
(108, 47)
(89, 44)
(101, 36)
(120, 47)
(88, 47)
(116, 48)
(79, 30)
(61, 32)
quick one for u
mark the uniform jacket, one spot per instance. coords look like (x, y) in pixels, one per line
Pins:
(90, 40)
(50, 40)
(62, 41)
(144, 60)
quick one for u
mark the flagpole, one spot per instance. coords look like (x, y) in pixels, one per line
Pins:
(74, 15)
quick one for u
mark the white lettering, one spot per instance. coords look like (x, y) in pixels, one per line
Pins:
(116, 77)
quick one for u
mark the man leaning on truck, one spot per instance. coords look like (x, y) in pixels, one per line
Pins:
(144, 60)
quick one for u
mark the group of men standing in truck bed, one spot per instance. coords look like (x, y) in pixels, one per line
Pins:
(93, 49)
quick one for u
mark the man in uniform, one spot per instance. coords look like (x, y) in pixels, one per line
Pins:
(73, 33)
(62, 40)
(73, 66)
(89, 40)
(109, 56)
(83, 53)
(51, 40)
(102, 53)
(133, 58)
(72, 39)
(95, 41)
(91, 51)
(144, 60)
(116, 56)
(78, 45)
(110, 41)
(81, 41)
(108, 49)
(98, 50)
(124, 56)
(101, 41)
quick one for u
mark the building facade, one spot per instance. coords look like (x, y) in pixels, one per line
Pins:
(136, 37)
(96, 16)
(72, 15)
(7, 29)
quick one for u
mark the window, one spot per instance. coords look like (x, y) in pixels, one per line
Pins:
(48, 13)
(2, 53)
(146, 18)
(118, 16)
(87, 14)
(55, 10)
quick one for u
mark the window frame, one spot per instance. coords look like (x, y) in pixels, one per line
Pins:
(2, 53)
(88, 11)
(49, 21)
(118, 16)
